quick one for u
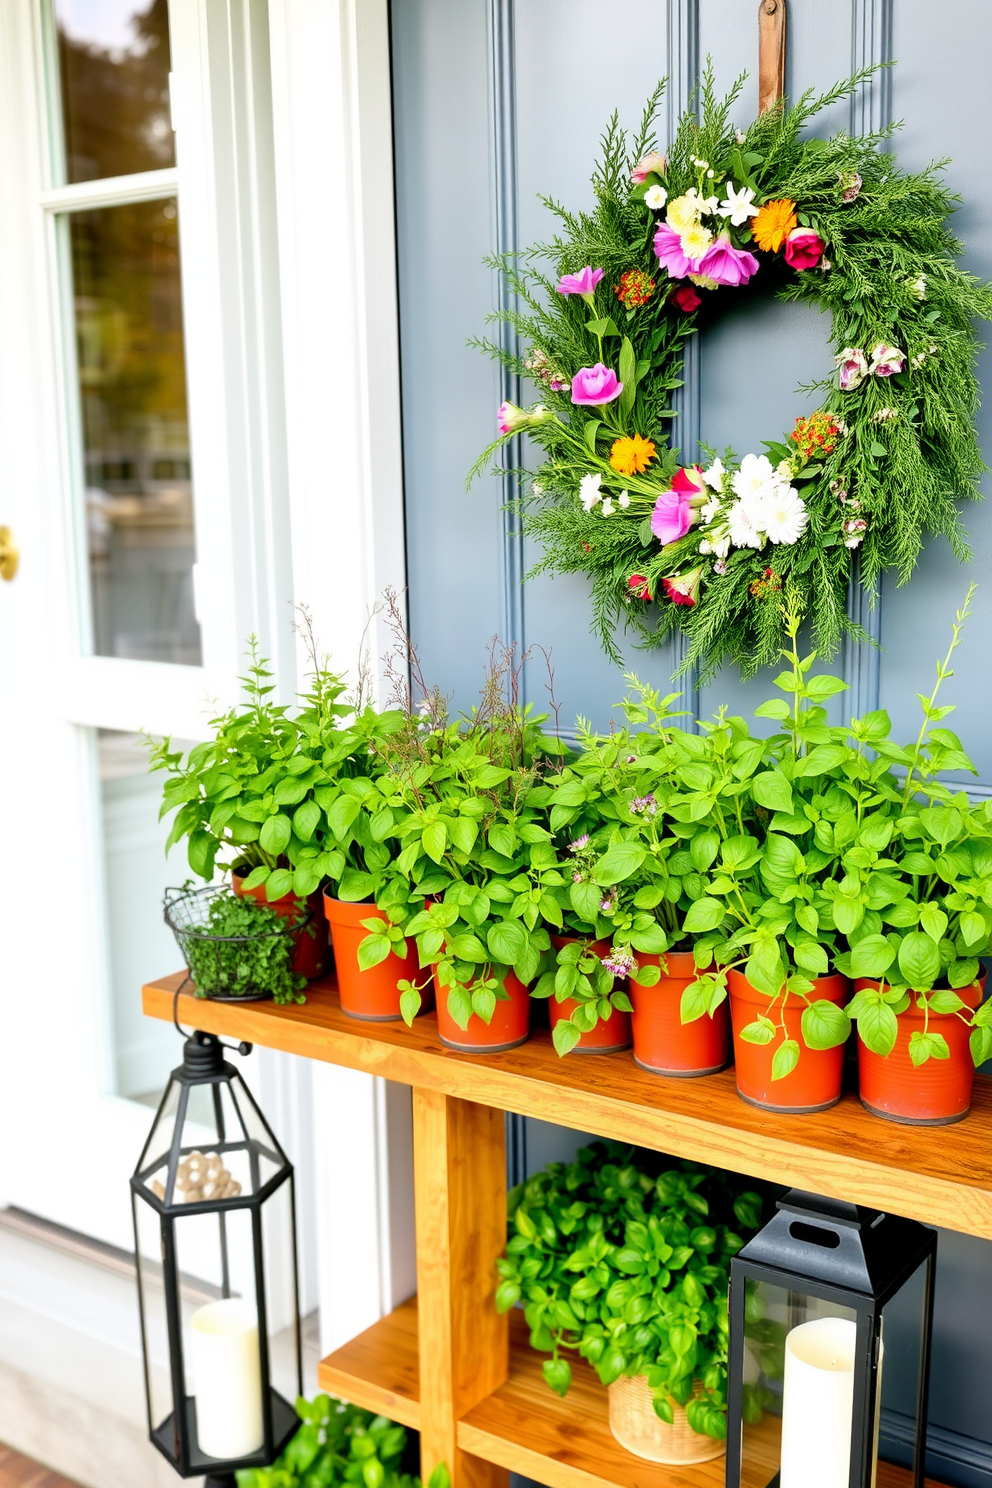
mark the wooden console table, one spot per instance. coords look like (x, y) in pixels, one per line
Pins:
(445, 1363)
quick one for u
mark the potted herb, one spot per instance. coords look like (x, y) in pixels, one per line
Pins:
(643, 869)
(337, 1445)
(252, 797)
(470, 858)
(922, 1023)
(628, 1267)
(235, 949)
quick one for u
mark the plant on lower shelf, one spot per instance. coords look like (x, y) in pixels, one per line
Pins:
(235, 947)
(629, 1267)
(337, 1444)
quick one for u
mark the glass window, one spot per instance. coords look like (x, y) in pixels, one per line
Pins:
(140, 945)
(127, 307)
(114, 76)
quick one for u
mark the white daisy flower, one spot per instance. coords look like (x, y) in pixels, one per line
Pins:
(785, 515)
(589, 492)
(655, 198)
(754, 478)
(745, 524)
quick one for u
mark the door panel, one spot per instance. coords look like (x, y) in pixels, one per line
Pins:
(497, 101)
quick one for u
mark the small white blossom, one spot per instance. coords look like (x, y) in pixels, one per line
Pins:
(739, 136)
(623, 500)
(739, 205)
(589, 492)
(709, 510)
(606, 510)
(714, 475)
(784, 469)
(884, 414)
(655, 198)
(720, 566)
(918, 287)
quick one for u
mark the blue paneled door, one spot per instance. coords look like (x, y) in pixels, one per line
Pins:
(498, 100)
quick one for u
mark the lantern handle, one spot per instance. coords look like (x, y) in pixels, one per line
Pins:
(244, 1048)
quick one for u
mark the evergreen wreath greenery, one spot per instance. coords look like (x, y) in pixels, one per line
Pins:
(671, 241)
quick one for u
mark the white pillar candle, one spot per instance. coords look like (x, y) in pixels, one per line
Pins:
(227, 1378)
(818, 1403)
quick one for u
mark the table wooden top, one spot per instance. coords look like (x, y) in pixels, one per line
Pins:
(942, 1176)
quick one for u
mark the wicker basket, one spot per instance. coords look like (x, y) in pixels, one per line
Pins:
(636, 1426)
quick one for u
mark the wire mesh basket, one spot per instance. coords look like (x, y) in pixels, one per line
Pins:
(232, 968)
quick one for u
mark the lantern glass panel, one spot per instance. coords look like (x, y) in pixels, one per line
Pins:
(777, 1395)
(152, 1299)
(157, 1147)
(901, 1366)
(220, 1336)
(282, 1318)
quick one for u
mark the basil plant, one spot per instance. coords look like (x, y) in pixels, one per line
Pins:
(627, 1266)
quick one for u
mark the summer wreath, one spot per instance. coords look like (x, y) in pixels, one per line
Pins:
(674, 238)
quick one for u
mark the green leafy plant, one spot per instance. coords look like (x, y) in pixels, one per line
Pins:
(263, 794)
(337, 1445)
(930, 895)
(243, 948)
(628, 1267)
(469, 858)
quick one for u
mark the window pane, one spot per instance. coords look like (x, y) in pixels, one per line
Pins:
(114, 76)
(140, 946)
(132, 393)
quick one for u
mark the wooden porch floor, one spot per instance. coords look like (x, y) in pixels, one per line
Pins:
(20, 1472)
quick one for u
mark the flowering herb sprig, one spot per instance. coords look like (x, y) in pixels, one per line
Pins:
(682, 540)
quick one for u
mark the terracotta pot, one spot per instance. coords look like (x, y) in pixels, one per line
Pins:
(938, 1093)
(372, 995)
(510, 1024)
(662, 1042)
(311, 956)
(815, 1083)
(608, 1037)
(637, 1427)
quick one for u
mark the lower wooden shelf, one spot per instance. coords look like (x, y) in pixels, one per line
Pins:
(380, 1369)
(522, 1426)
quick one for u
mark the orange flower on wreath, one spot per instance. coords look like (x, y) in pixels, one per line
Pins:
(631, 456)
(773, 224)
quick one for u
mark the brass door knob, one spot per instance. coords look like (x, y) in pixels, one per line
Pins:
(9, 556)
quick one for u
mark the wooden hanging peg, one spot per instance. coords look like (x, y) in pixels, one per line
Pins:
(771, 53)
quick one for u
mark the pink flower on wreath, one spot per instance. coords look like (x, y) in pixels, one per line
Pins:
(886, 359)
(852, 368)
(639, 586)
(803, 249)
(683, 589)
(672, 516)
(651, 164)
(725, 264)
(686, 298)
(668, 251)
(595, 385)
(582, 283)
(688, 481)
(508, 417)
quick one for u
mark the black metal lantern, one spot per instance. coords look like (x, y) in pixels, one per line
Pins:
(215, 1242)
(830, 1322)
